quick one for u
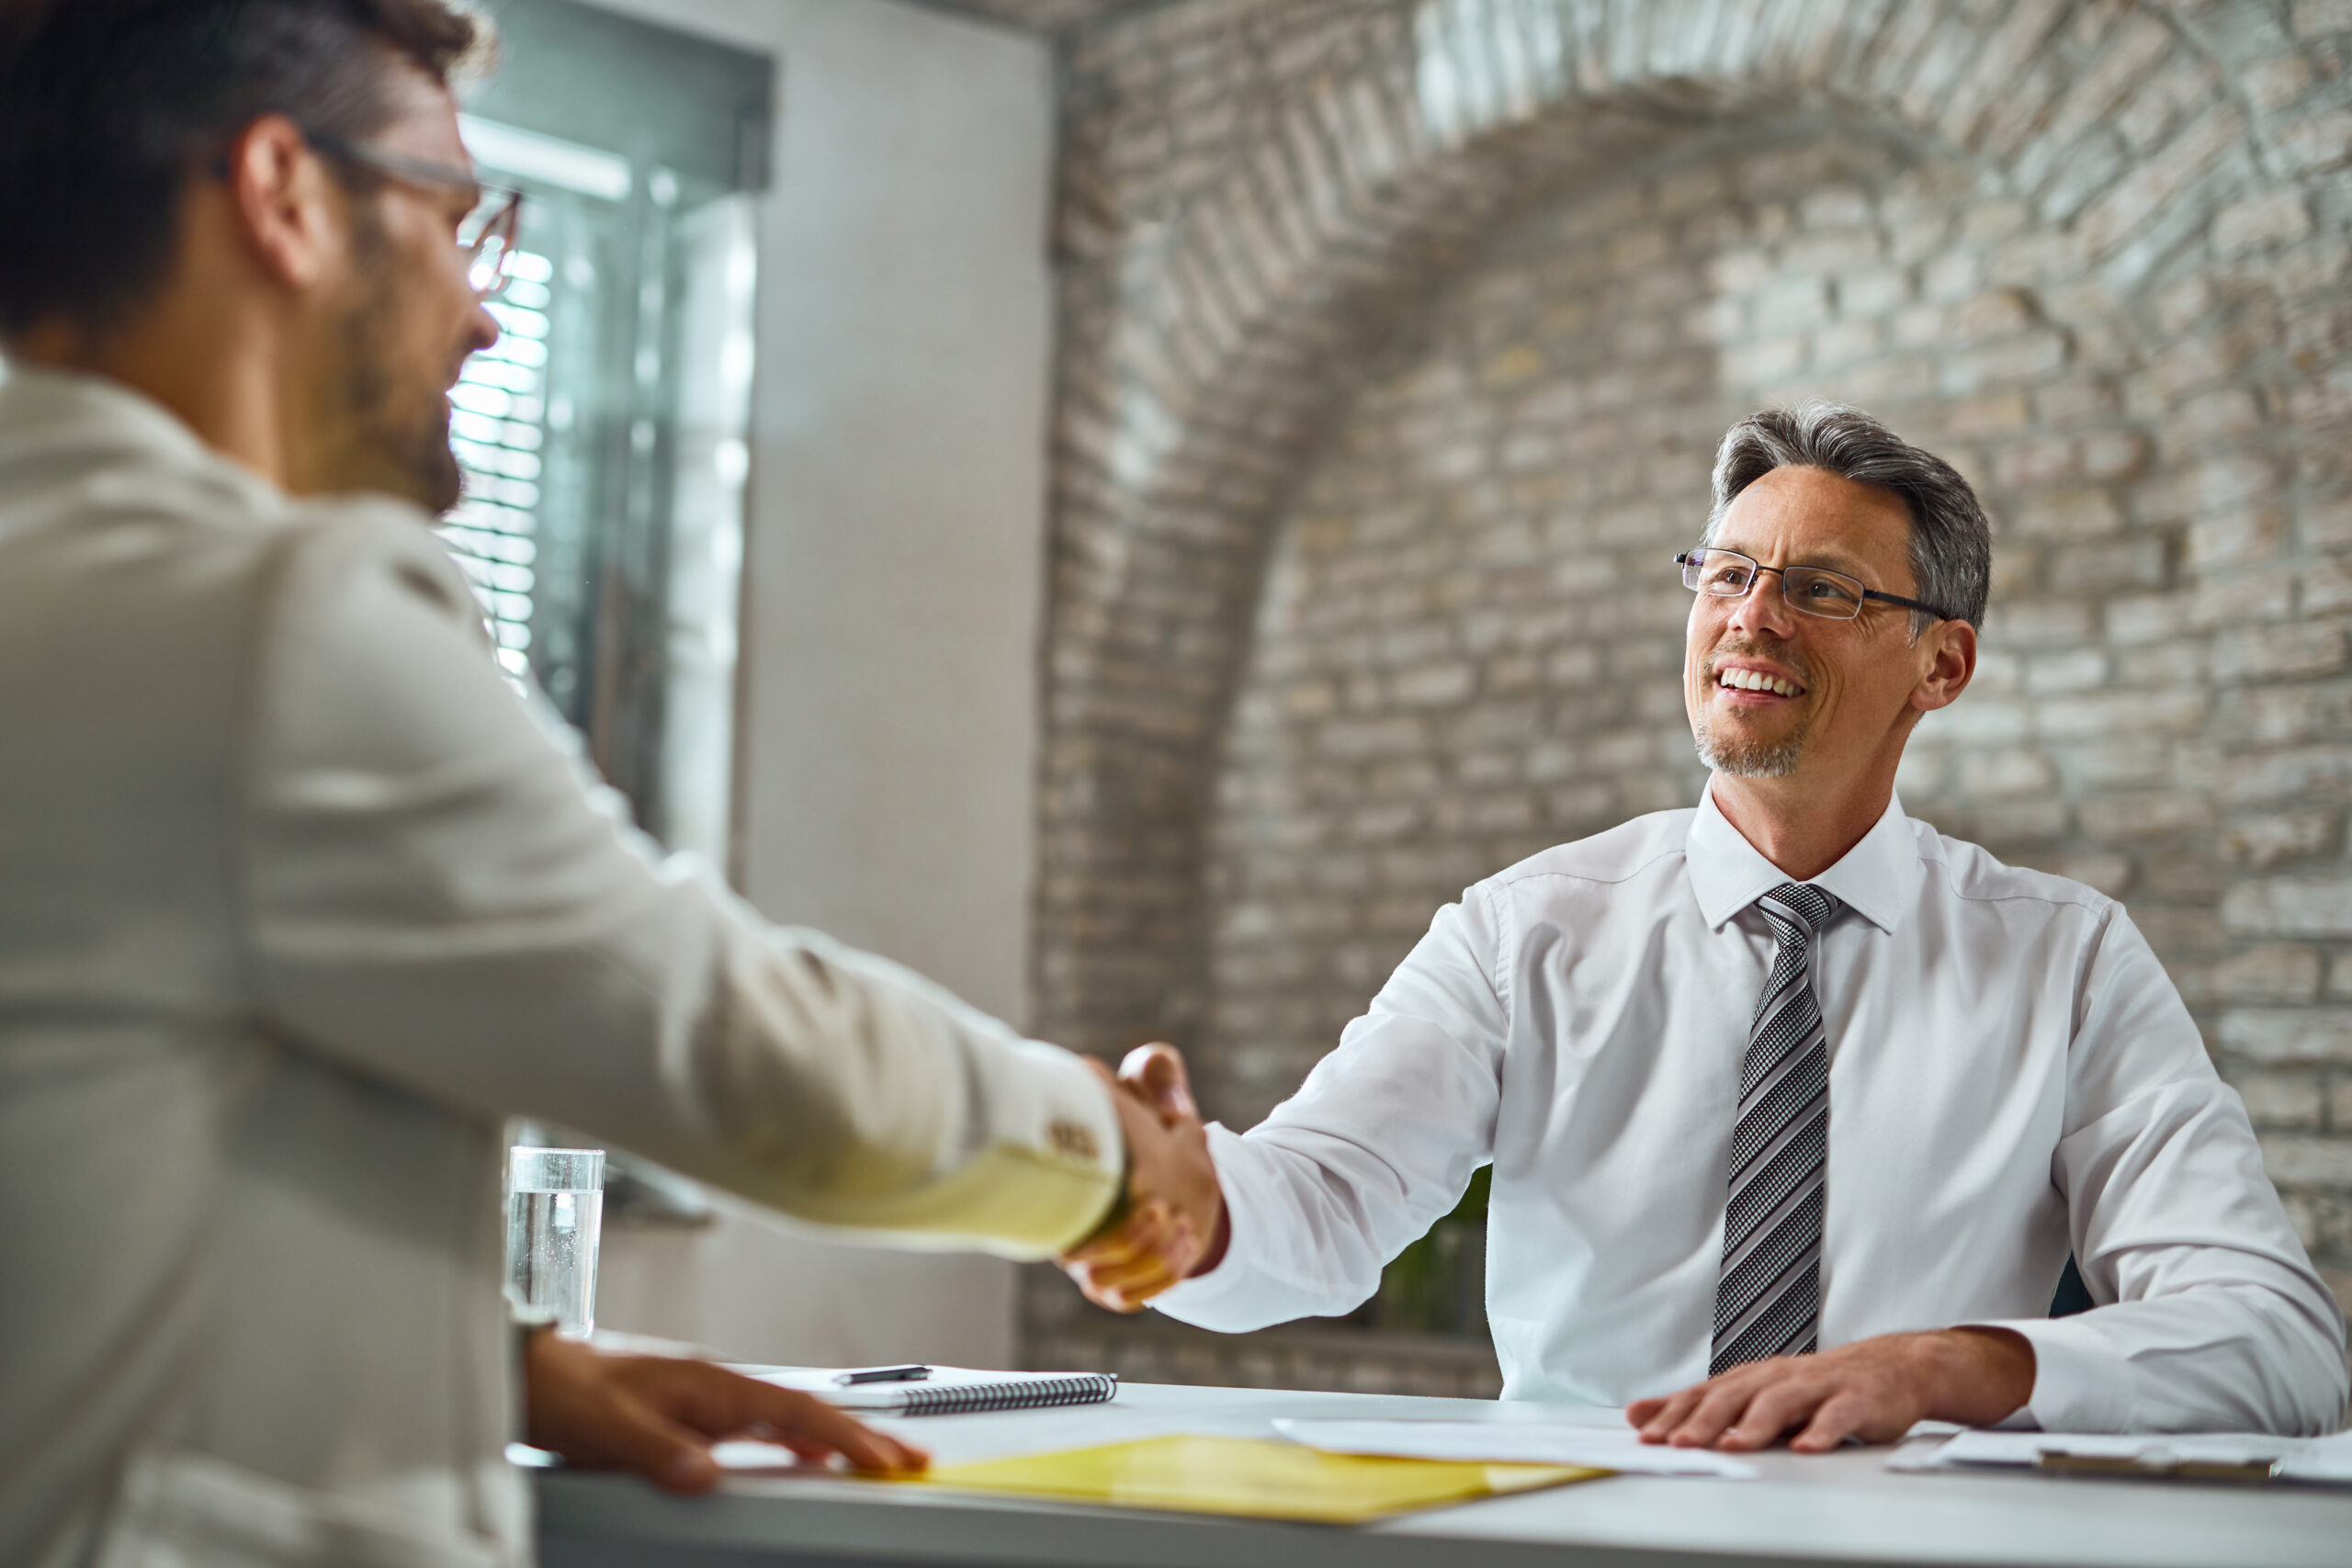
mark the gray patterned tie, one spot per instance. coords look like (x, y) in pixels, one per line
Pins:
(1768, 1301)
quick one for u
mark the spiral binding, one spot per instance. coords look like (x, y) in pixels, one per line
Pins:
(951, 1399)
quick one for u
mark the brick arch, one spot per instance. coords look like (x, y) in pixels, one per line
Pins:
(1225, 327)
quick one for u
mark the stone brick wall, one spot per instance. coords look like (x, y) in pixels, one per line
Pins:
(1396, 340)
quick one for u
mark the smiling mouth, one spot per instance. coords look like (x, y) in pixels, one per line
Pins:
(1757, 680)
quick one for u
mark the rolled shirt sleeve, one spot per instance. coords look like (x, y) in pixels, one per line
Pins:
(441, 894)
(2210, 1316)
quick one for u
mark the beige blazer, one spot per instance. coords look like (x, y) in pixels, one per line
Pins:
(297, 901)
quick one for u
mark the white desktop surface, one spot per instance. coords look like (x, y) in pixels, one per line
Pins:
(1844, 1507)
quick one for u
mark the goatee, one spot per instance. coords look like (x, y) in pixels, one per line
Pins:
(1750, 759)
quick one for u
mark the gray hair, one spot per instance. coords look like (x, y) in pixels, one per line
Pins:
(1951, 544)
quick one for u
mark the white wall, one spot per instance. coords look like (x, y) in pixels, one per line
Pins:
(893, 589)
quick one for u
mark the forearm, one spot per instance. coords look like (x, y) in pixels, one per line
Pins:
(1296, 1240)
(842, 1090)
(443, 897)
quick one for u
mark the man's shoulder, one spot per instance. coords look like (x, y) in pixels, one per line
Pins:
(1619, 855)
(1973, 874)
(92, 476)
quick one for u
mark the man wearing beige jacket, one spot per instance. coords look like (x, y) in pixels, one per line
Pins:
(297, 900)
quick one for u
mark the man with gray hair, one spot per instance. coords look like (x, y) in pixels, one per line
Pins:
(1797, 1108)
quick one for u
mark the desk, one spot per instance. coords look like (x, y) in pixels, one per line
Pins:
(1844, 1507)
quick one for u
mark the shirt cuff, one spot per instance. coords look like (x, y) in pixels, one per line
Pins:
(1065, 1124)
(2081, 1383)
(1050, 1168)
(1200, 1300)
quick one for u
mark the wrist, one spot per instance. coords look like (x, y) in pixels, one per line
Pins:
(1220, 1237)
(1981, 1376)
(1123, 1200)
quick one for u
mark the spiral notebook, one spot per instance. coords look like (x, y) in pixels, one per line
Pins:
(948, 1391)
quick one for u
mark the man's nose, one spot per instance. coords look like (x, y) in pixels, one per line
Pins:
(484, 332)
(1764, 608)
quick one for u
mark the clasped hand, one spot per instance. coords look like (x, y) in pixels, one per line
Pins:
(1170, 1224)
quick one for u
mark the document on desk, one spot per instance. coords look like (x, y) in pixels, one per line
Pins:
(1617, 1449)
(2210, 1456)
(1251, 1477)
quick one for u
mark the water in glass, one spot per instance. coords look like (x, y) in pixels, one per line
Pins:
(555, 1209)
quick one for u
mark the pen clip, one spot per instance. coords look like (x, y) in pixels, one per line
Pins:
(883, 1374)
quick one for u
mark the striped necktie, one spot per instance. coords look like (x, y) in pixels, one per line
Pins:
(1768, 1301)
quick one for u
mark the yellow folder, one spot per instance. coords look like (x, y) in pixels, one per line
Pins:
(1252, 1476)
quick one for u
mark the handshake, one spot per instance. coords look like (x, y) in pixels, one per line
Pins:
(1171, 1223)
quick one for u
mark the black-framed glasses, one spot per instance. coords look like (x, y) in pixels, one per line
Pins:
(1727, 574)
(490, 230)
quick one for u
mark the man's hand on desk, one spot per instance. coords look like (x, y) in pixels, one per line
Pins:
(1873, 1390)
(1174, 1224)
(658, 1416)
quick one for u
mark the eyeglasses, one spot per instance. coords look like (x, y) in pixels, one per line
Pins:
(1727, 574)
(489, 232)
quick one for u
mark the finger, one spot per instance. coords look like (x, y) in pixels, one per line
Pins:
(1840, 1416)
(809, 1420)
(721, 1404)
(1126, 1285)
(1721, 1404)
(1776, 1408)
(1169, 1240)
(1158, 1070)
(1139, 1280)
(1146, 1232)
(1133, 1295)
(634, 1436)
(1101, 1297)
(1673, 1411)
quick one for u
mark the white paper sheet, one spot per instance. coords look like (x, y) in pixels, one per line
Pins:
(2299, 1459)
(750, 1455)
(1510, 1442)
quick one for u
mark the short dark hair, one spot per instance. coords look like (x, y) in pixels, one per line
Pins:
(1952, 542)
(107, 107)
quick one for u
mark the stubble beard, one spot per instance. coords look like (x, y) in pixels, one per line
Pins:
(396, 423)
(1748, 759)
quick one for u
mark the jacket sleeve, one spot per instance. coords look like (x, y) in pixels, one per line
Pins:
(2210, 1315)
(442, 897)
(1378, 1144)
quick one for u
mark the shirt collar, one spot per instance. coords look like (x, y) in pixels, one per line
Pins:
(1880, 877)
(86, 404)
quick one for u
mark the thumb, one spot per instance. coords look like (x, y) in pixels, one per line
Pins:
(1158, 1072)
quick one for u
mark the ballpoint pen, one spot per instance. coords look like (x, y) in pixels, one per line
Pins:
(885, 1374)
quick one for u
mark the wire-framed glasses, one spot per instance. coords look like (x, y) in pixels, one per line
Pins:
(1815, 590)
(489, 233)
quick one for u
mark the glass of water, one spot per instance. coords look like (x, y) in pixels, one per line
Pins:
(555, 1207)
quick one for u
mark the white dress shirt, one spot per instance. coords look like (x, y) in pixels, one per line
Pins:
(297, 900)
(2012, 1075)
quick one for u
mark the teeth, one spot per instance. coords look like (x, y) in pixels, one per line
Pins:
(1757, 680)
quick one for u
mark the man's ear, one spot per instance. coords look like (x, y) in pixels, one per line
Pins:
(1951, 646)
(283, 204)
